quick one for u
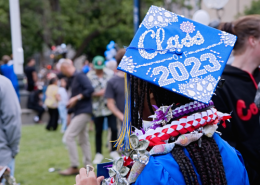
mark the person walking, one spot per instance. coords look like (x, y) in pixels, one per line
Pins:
(115, 92)
(80, 104)
(31, 74)
(10, 124)
(51, 101)
(239, 91)
(7, 70)
(99, 77)
(63, 103)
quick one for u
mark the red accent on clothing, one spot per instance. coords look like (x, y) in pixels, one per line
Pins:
(253, 79)
(252, 110)
(224, 125)
(240, 106)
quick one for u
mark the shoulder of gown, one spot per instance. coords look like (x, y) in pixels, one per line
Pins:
(163, 169)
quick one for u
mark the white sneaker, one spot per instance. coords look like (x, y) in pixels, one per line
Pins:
(98, 158)
(36, 119)
(114, 155)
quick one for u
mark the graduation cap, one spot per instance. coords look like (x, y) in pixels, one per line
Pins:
(177, 54)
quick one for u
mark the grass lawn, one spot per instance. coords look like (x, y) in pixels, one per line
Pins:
(41, 150)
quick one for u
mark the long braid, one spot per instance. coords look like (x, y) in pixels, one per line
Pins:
(211, 156)
(188, 170)
(190, 167)
(214, 161)
(195, 153)
(132, 100)
(185, 165)
(207, 165)
(143, 90)
(175, 154)
(136, 102)
(219, 158)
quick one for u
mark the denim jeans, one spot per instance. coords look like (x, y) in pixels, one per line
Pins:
(11, 165)
(63, 117)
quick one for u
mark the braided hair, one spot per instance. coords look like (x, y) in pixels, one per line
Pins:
(207, 158)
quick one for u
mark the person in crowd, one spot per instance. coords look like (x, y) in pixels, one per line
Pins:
(112, 65)
(80, 104)
(63, 103)
(35, 103)
(115, 92)
(31, 74)
(10, 124)
(99, 77)
(7, 70)
(86, 68)
(51, 101)
(238, 93)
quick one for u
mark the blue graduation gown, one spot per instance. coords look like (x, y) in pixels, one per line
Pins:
(163, 169)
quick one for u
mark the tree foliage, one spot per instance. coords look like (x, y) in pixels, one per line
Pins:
(88, 25)
(254, 8)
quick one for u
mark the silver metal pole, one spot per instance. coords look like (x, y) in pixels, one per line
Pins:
(17, 48)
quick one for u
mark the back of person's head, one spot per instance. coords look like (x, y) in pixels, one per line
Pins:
(112, 65)
(53, 81)
(66, 67)
(64, 61)
(6, 59)
(207, 158)
(30, 61)
(63, 82)
(85, 62)
(243, 28)
(119, 55)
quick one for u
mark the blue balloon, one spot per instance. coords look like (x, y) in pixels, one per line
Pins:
(111, 45)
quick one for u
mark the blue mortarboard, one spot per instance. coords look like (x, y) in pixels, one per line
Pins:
(178, 54)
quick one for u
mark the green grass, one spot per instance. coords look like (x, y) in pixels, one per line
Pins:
(41, 150)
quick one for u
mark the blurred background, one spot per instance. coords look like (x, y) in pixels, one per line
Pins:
(86, 26)
(48, 30)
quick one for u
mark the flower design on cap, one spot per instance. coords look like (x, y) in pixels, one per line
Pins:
(228, 39)
(199, 88)
(187, 27)
(159, 17)
(127, 64)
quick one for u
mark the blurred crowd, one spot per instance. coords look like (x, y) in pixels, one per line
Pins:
(77, 100)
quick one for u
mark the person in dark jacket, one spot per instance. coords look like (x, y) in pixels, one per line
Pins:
(81, 106)
(31, 74)
(35, 103)
(239, 91)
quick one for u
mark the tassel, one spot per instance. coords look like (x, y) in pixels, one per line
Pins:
(123, 141)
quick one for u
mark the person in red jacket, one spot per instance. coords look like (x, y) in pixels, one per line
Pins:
(238, 93)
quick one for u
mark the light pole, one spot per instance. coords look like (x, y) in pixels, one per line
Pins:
(17, 49)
